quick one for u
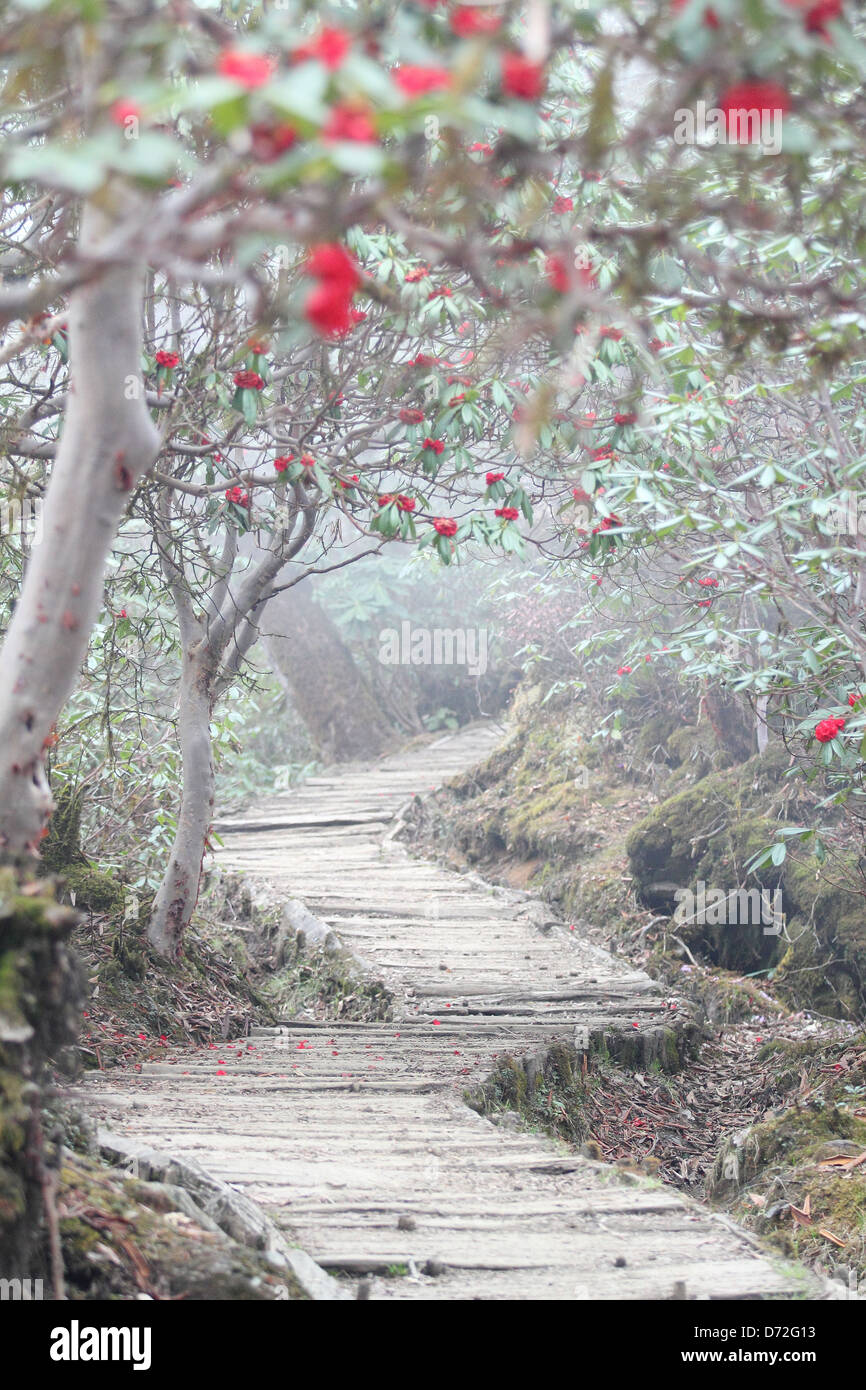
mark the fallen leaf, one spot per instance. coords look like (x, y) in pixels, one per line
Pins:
(828, 1235)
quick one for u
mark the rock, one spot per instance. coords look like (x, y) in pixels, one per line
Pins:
(231, 1211)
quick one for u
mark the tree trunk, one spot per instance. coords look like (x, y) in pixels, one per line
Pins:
(178, 893)
(108, 442)
(326, 686)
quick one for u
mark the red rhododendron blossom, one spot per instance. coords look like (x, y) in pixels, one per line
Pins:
(491, 478)
(624, 417)
(480, 147)
(436, 446)
(420, 273)
(507, 513)
(167, 359)
(124, 110)
(740, 102)
(709, 581)
(405, 504)
(468, 20)
(282, 463)
(445, 525)
(521, 77)
(357, 316)
(827, 729)
(238, 496)
(854, 697)
(561, 204)
(444, 293)
(329, 46)
(332, 262)
(249, 70)
(248, 381)
(417, 81)
(624, 671)
(349, 121)
(817, 14)
(257, 347)
(354, 479)
(613, 333)
(411, 417)
(269, 141)
(711, 19)
(556, 270)
(307, 461)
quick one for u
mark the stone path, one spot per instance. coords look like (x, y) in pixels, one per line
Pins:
(355, 1137)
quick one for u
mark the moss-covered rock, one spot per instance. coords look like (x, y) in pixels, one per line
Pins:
(706, 835)
(40, 992)
(787, 1162)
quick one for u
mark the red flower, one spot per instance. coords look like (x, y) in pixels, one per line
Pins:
(613, 333)
(827, 729)
(269, 141)
(418, 81)
(248, 381)
(766, 98)
(711, 19)
(354, 479)
(332, 262)
(250, 70)
(124, 110)
(444, 293)
(238, 496)
(445, 525)
(817, 14)
(329, 46)
(357, 315)
(167, 359)
(411, 417)
(436, 445)
(282, 463)
(624, 671)
(329, 309)
(493, 478)
(562, 204)
(420, 273)
(556, 270)
(507, 513)
(521, 77)
(854, 697)
(349, 121)
(467, 21)
(405, 504)
(480, 147)
(709, 581)
(624, 418)
(257, 347)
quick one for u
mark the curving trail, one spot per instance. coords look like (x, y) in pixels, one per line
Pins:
(355, 1136)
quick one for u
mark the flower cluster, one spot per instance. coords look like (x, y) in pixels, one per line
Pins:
(827, 729)
(329, 307)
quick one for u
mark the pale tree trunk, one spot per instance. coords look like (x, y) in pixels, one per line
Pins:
(178, 893)
(213, 651)
(327, 688)
(108, 442)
